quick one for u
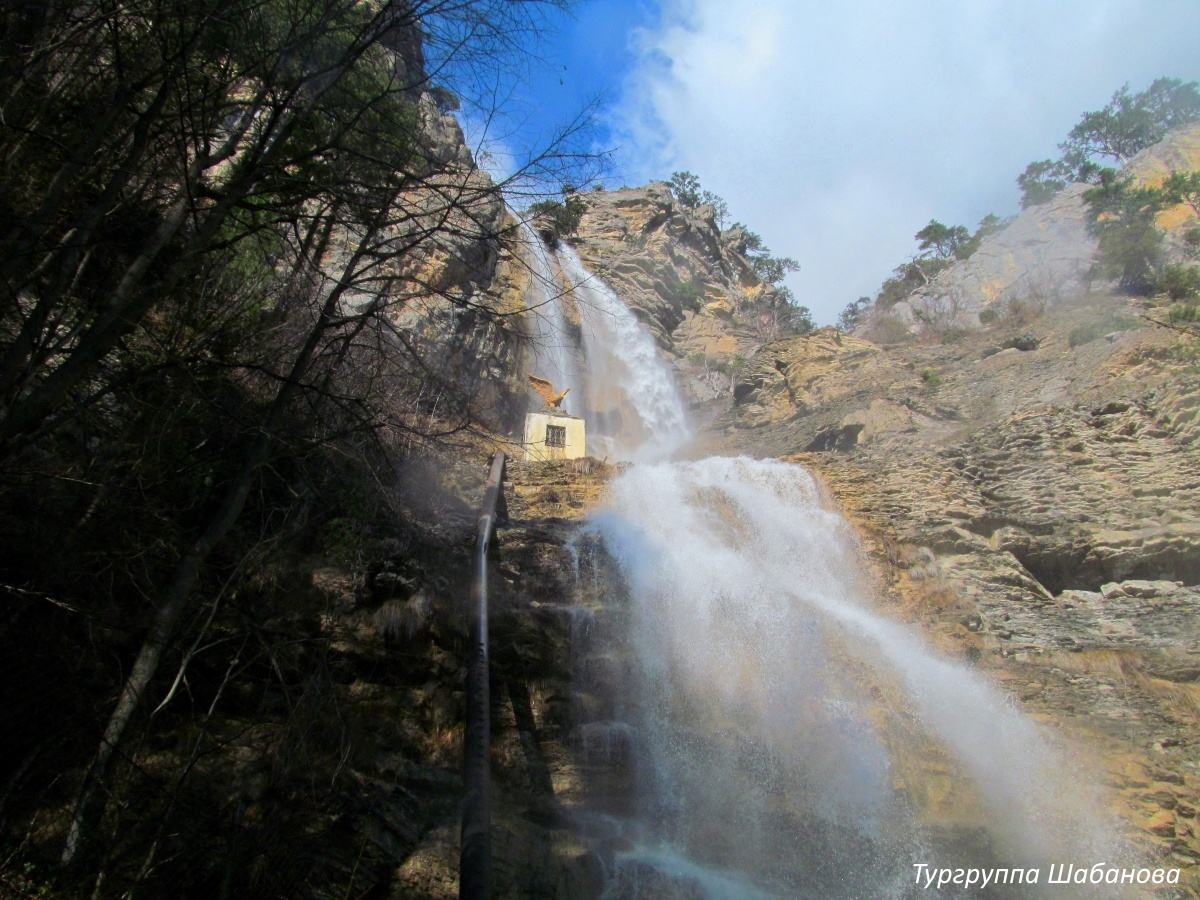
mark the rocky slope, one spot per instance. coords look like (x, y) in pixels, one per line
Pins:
(690, 283)
(541, 770)
(1028, 490)
(1045, 254)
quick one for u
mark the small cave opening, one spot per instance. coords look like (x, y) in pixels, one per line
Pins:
(838, 438)
(1077, 568)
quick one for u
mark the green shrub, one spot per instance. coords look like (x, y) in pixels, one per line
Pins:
(26, 879)
(988, 316)
(730, 366)
(345, 540)
(1191, 238)
(1023, 310)
(1022, 342)
(1179, 282)
(885, 329)
(853, 313)
(1122, 218)
(565, 214)
(1090, 331)
(1085, 334)
(930, 377)
(1184, 313)
(689, 294)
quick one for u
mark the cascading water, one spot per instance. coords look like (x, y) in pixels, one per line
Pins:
(624, 390)
(553, 350)
(768, 725)
(765, 686)
(631, 394)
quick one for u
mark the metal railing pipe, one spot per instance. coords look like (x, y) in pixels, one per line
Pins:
(475, 859)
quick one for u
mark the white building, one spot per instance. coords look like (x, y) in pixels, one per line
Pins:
(551, 434)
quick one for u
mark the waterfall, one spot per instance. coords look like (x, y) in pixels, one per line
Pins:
(553, 350)
(627, 380)
(765, 685)
(624, 389)
(752, 726)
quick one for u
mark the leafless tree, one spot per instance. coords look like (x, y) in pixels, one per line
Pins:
(265, 196)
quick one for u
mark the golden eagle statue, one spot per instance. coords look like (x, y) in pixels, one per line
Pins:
(546, 389)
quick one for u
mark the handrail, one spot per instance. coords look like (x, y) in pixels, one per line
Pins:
(475, 859)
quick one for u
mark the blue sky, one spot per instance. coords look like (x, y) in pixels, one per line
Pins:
(587, 57)
(838, 130)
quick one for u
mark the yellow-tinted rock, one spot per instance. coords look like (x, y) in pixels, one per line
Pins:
(1161, 823)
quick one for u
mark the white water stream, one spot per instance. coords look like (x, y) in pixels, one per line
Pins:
(775, 724)
(553, 353)
(625, 374)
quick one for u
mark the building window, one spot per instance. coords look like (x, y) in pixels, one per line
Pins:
(556, 436)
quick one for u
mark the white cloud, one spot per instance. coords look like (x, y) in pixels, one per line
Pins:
(838, 130)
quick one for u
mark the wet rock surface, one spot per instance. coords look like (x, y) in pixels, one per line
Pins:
(546, 763)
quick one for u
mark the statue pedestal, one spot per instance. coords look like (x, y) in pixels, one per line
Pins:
(552, 434)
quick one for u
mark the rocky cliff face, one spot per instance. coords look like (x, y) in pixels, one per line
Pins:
(1043, 253)
(401, 651)
(684, 278)
(1027, 491)
(690, 283)
(1029, 495)
(460, 290)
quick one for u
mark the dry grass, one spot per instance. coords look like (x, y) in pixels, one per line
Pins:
(1109, 663)
(887, 329)
(1180, 699)
(445, 745)
(1130, 668)
(403, 618)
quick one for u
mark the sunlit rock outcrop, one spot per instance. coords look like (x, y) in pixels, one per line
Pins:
(688, 281)
(1046, 253)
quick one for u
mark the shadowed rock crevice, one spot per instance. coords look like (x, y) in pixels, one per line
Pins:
(842, 438)
(1075, 568)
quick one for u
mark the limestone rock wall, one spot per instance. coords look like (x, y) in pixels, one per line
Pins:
(1044, 253)
(688, 281)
